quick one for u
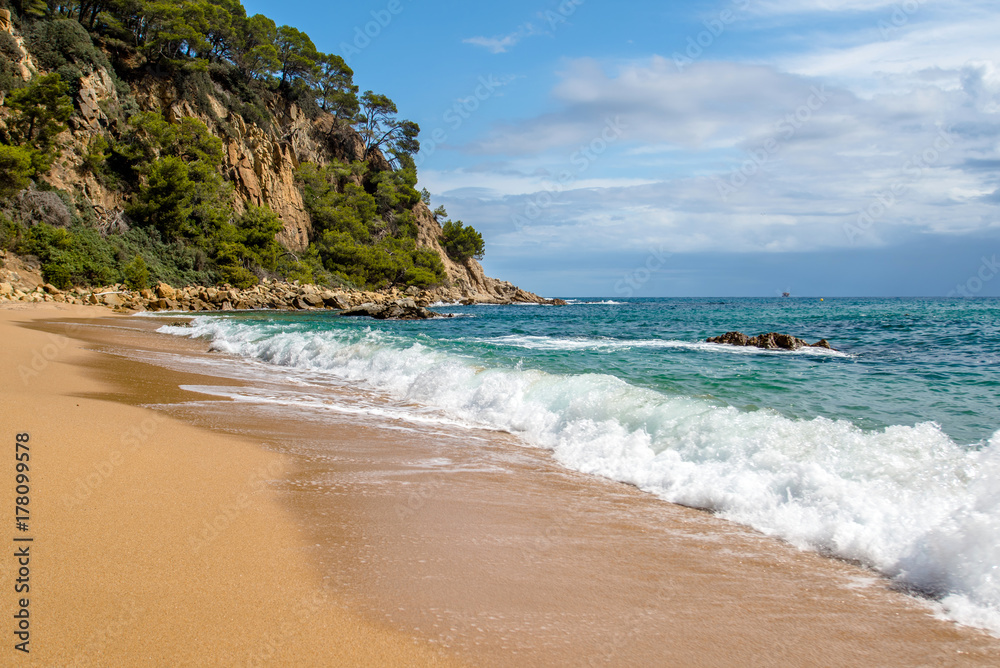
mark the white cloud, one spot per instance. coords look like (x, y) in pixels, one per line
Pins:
(917, 160)
(901, 50)
(785, 7)
(503, 43)
(707, 105)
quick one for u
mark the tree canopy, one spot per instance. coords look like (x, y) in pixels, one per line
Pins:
(181, 220)
(380, 128)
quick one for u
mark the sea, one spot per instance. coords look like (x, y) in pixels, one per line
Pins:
(884, 451)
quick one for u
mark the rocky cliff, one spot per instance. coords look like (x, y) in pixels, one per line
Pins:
(260, 162)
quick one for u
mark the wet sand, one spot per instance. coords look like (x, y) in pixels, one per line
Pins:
(467, 543)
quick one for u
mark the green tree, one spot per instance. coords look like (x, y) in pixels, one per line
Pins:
(297, 55)
(150, 135)
(224, 20)
(337, 203)
(165, 200)
(380, 129)
(248, 245)
(253, 49)
(36, 8)
(335, 89)
(175, 28)
(462, 242)
(41, 110)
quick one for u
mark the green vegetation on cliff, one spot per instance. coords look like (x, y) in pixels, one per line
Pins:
(180, 220)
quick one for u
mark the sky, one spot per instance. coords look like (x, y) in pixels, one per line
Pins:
(704, 148)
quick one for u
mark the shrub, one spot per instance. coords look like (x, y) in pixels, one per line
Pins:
(41, 206)
(10, 55)
(427, 268)
(136, 274)
(15, 169)
(76, 256)
(95, 155)
(237, 276)
(41, 111)
(11, 233)
(64, 41)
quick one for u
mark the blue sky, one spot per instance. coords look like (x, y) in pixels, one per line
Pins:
(717, 148)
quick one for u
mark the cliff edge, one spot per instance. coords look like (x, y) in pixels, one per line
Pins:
(260, 156)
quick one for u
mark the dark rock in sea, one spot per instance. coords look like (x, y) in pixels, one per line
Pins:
(403, 309)
(732, 338)
(559, 302)
(769, 341)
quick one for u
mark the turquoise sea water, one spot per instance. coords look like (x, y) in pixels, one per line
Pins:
(886, 450)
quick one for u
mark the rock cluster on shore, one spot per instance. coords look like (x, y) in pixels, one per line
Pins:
(26, 286)
(769, 341)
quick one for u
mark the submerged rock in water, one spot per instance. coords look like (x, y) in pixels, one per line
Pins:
(402, 309)
(769, 341)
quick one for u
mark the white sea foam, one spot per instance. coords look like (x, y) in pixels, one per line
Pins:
(592, 302)
(532, 342)
(908, 501)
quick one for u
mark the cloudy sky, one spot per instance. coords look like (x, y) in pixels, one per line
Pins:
(716, 148)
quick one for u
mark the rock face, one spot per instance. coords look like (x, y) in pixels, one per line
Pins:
(769, 341)
(261, 164)
(259, 160)
(386, 304)
(468, 282)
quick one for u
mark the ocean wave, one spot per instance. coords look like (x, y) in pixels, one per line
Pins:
(533, 342)
(905, 500)
(593, 302)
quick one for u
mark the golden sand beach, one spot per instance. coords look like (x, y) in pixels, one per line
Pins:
(117, 492)
(205, 534)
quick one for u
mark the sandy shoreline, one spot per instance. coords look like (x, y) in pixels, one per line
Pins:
(119, 494)
(500, 557)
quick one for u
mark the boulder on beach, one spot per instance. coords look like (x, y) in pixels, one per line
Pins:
(768, 341)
